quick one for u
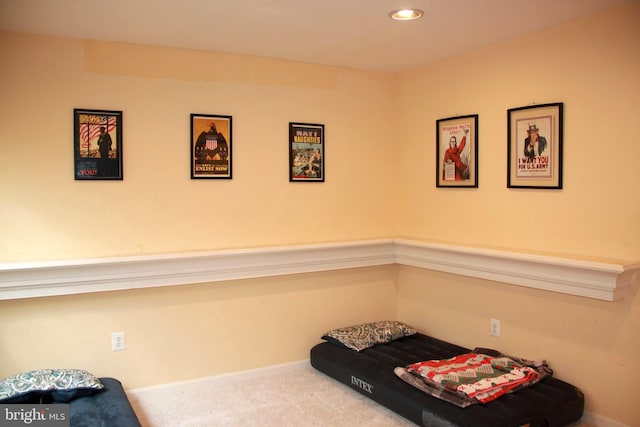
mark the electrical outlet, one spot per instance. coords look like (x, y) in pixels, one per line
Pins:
(117, 341)
(494, 328)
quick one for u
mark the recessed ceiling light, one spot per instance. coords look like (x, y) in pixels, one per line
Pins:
(406, 14)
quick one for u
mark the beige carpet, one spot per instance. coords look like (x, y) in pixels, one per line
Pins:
(288, 395)
(291, 395)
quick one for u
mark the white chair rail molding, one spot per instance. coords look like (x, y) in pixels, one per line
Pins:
(593, 279)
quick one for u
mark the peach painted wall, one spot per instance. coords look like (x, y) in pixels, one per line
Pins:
(192, 331)
(157, 208)
(186, 332)
(593, 66)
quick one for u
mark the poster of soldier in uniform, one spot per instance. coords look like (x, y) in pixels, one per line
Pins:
(306, 152)
(535, 146)
(210, 146)
(97, 144)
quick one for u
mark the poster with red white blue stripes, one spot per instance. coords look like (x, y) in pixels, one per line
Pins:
(97, 144)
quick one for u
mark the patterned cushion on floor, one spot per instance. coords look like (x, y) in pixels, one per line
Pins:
(48, 386)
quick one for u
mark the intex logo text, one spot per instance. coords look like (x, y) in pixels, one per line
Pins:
(362, 384)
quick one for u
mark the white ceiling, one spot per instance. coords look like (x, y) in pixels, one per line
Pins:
(350, 33)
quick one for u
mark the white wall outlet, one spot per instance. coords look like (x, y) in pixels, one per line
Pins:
(117, 341)
(494, 329)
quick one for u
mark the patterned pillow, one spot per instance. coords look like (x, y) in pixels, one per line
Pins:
(48, 386)
(360, 337)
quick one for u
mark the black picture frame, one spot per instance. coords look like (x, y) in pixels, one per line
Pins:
(457, 151)
(306, 152)
(535, 163)
(211, 146)
(97, 144)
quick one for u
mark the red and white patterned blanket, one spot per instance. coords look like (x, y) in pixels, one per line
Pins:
(472, 378)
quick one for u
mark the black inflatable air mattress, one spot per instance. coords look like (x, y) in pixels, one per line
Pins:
(548, 403)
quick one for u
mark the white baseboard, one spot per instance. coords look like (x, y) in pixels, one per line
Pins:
(221, 379)
(596, 420)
